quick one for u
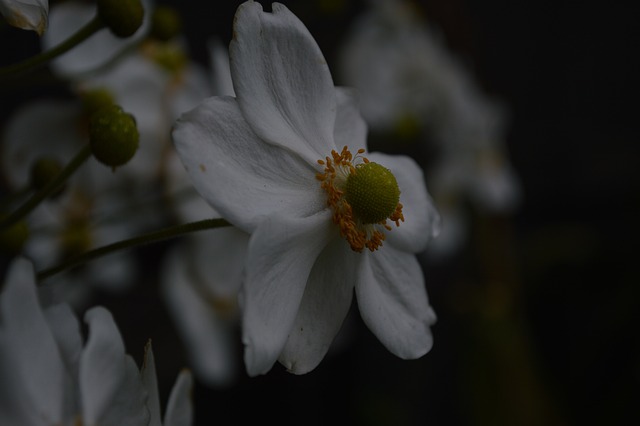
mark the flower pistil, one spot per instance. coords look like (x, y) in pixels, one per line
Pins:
(363, 196)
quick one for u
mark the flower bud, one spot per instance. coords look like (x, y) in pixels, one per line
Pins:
(165, 23)
(95, 99)
(43, 171)
(123, 17)
(113, 136)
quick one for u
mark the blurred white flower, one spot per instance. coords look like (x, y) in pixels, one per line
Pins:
(255, 159)
(49, 376)
(26, 14)
(410, 83)
(155, 96)
(84, 216)
(155, 83)
(202, 275)
(65, 18)
(201, 279)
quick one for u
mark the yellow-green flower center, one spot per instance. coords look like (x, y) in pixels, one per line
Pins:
(372, 192)
(362, 196)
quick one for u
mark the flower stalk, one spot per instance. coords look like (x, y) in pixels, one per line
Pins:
(48, 189)
(152, 237)
(95, 25)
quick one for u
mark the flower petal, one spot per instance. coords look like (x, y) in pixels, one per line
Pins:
(324, 306)
(26, 14)
(242, 177)
(30, 348)
(110, 385)
(208, 334)
(16, 405)
(393, 302)
(421, 219)
(66, 331)
(221, 70)
(350, 128)
(282, 252)
(150, 382)
(282, 81)
(179, 410)
(189, 206)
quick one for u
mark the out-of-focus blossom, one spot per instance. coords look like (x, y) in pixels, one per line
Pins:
(26, 14)
(201, 279)
(412, 87)
(153, 80)
(155, 83)
(84, 216)
(255, 159)
(155, 96)
(50, 376)
(202, 275)
(65, 18)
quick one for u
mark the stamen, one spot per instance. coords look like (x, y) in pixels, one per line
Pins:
(360, 235)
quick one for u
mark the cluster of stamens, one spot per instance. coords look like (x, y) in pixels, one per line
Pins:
(359, 233)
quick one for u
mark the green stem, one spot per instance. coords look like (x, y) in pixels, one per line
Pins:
(152, 237)
(49, 188)
(81, 35)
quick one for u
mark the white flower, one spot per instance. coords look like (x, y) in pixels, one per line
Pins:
(399, 66)
(26, 14)
(255, 159)
(50, 377)
(411, 83)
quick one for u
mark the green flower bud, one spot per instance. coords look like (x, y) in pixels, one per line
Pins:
(373, 193)
(113, 136)
(12, 239)
(165, 23)
(95, 99)
(43, 171)
(123, 17)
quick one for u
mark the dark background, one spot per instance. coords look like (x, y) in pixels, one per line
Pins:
(539, 314)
